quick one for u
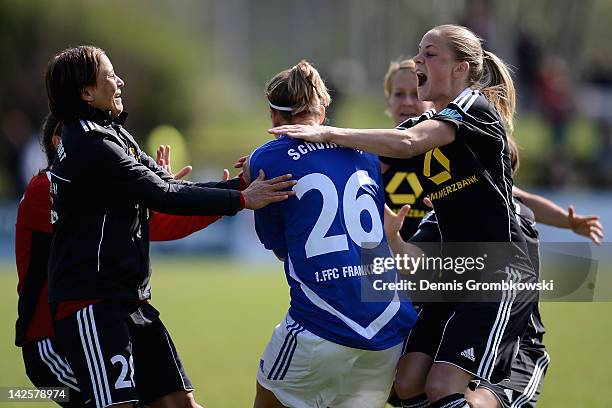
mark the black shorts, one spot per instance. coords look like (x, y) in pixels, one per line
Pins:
(528, 371)
(481, 338)
(46, 367)
(121, 352)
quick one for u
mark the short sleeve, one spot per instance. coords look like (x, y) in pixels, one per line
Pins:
(269, 223)
(270, 228)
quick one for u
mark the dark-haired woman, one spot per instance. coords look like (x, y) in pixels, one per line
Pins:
(103, 187)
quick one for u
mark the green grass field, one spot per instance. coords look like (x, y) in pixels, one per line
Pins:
(221, 314)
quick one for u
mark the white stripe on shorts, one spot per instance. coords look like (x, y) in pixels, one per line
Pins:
(59, 358)
(534, 381)
(91, 358)
(99, 354)
(58, 372)
(497, 332)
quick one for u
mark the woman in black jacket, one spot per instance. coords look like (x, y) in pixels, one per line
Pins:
(102, 188)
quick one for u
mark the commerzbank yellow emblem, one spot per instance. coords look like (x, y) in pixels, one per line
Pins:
(397, 179)
(442, 176)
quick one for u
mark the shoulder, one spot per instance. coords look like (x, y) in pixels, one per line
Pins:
(35, 205)
(408, 123)
(38, 187)
(273, 148)
(471, 104)
(86, 127)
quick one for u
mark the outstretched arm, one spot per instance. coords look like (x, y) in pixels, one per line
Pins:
(395, 143)
(549, 213)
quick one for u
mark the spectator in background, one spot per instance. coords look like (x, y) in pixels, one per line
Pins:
(15, 127)
(527, 52)
(597, 96)
(554, 95)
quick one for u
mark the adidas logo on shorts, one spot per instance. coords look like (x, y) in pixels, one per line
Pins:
(469, 354)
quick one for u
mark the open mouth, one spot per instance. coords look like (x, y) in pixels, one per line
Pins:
(421, 78)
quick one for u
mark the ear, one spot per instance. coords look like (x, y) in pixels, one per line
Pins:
(321, 114)
(87, 94)
(55, 141)
(462, 68)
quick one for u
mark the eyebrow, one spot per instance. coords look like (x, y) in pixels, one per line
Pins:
(427, 46)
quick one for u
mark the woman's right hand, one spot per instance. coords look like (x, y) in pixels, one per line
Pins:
(262, 192)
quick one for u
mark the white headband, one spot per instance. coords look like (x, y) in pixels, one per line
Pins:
(281, 108)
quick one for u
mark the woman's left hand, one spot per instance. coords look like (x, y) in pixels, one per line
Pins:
(586, 225)
(163, 160)
(315, 134)
(394, 222)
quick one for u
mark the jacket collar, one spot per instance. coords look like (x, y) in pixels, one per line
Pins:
(104, 118)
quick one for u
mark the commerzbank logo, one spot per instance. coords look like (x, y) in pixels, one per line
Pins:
(444, 174)
(396, 181)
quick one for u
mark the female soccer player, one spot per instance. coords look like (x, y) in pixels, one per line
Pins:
(102, 188)
(335, 348)
(45, 366)
(529, 367)
(467, 175)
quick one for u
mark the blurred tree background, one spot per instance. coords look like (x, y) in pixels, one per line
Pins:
(195, 71)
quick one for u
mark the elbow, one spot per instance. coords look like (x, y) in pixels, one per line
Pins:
(402, 149)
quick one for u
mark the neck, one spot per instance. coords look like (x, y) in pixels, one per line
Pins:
(443, 102)
(309, 120)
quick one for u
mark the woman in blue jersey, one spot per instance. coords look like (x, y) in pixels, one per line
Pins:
(336, 347)
(464, 153)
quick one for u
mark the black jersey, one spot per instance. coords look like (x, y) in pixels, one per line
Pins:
(102, 187)
(428, 233)
(403, 184)
(469, 181)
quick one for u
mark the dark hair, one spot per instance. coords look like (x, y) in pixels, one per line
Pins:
(67, 74)
(51, 127)
(299, 88)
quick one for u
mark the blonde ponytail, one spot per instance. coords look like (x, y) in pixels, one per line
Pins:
(487, 71)
(498, 87)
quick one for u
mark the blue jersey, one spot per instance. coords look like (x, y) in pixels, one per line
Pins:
(328, 234)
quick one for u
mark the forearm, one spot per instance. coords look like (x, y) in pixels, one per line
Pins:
(545, 211)
(164, 227)
(383, 142)
(232, 184)
(396, 143)
(192, 200)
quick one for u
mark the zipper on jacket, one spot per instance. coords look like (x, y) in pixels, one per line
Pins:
(101, 238)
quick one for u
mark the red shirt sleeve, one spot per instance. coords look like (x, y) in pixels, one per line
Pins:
(165, 227)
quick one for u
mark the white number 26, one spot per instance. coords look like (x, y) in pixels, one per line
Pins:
(318, 243)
